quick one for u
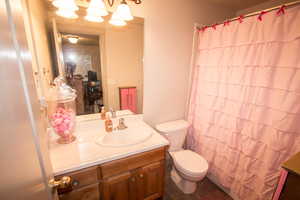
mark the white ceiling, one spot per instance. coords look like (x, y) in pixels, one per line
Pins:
(238, 4)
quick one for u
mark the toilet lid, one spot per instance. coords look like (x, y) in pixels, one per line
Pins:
(190, 162)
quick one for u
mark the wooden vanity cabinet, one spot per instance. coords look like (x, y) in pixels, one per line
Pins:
(121, 186)
(137, 177)
(91, 192)
(151, 181)
(145, 183)
(84, 185)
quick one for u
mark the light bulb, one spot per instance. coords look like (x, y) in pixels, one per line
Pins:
(93, 18)
(97, 12)
(65, 4)
(67, 13)
(124, 11)
(116, 20)
(72, 57)
(97, 8)
(73, 40)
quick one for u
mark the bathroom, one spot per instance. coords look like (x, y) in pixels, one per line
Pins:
(149, 99)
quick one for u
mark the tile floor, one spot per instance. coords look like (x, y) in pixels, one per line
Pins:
(206, 190)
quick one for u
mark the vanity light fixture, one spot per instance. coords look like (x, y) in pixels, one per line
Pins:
(116, 20)
(123, 11)
(73, 39)
(93, 18)
(96, 10)
(67, 14)
(66, 8)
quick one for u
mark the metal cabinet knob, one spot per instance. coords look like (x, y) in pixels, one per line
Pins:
(75, 183)
(64, 182)
(133, 179)
(141, 175)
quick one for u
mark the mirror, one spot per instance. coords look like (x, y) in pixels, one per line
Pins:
(102, 62)
(82, 70)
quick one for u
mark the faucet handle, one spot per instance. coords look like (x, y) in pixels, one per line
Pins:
(113, 113)
(121, 125)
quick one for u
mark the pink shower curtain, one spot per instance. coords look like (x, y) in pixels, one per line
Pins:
(245, 101)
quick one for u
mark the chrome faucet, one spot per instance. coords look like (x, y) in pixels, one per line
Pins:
(113, 113)
(121, 125)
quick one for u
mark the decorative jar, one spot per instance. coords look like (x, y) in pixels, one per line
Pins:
(62, 110)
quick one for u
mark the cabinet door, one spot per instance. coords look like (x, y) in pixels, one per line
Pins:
(90, 192)
(120, 187)
(151, 181)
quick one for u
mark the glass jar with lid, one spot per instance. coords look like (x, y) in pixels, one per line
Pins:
(62, 110)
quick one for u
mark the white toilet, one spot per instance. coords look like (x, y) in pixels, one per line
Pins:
(189, 167)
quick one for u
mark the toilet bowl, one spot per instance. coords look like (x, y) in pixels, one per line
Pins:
(188, 166)
(188, 169)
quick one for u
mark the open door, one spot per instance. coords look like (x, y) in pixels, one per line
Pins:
(25, 166)
(57, 40)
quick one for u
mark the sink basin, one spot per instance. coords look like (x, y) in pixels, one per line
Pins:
(135, 134)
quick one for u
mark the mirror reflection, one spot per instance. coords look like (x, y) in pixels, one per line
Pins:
(81, 56)
(102, 62)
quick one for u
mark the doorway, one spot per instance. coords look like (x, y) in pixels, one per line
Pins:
(82, 66)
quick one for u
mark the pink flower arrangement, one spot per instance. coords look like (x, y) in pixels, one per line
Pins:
(62, 121)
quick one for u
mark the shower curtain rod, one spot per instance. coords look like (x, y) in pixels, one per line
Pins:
(254, 13)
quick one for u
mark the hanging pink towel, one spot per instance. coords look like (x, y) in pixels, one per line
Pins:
(128, 99)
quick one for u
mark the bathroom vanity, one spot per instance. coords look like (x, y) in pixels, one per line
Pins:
(107, 170)
(140, 176)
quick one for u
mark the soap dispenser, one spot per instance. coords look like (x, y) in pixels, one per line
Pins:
(103, 113)
(108, 125)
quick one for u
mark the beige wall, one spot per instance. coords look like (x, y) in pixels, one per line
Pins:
(263, 6)
(37, 36)
(124, 66)
(168, 38)
(168, 31)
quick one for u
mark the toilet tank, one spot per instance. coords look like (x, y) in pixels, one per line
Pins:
(175, 132)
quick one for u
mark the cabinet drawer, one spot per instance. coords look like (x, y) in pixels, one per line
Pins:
(90, 192)
(131, 162)
(82, 178)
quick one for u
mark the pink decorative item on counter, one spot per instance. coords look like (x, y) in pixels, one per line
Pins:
(62, 122)
(62, 111)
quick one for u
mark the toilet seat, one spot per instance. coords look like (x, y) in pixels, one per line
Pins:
(189, 163)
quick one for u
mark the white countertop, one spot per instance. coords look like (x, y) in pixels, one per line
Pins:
(85, 152)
